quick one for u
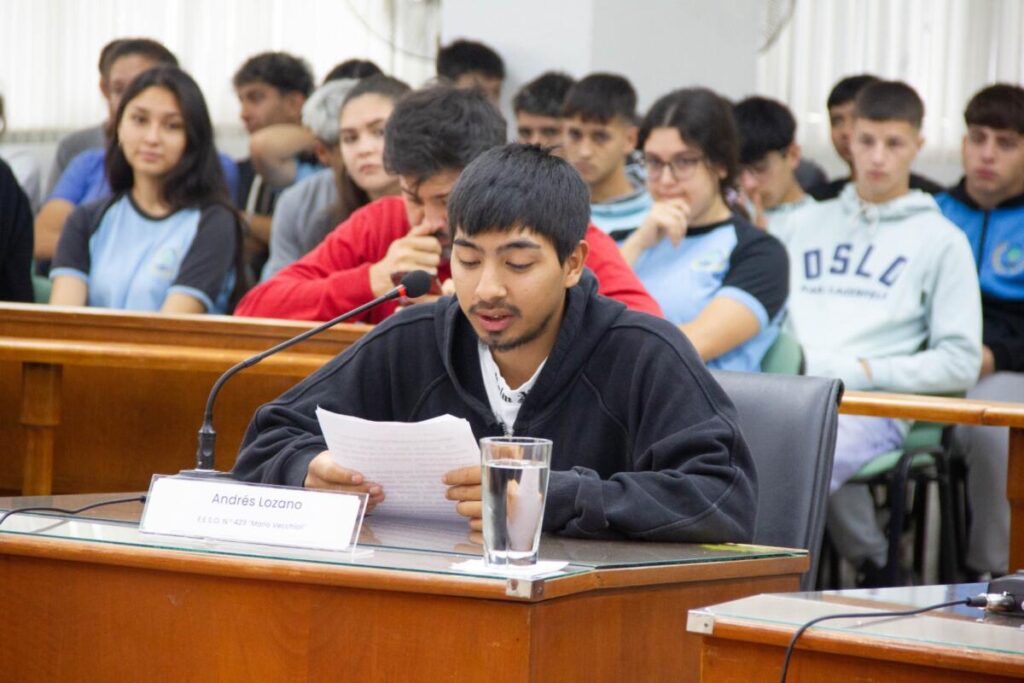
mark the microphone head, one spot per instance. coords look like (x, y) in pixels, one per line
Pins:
(417, 283)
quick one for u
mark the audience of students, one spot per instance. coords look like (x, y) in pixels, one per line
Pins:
(599, 114)
(538, 110)
(307, 212)
(988, 206)
(883, 291)
(769, 157)
(168, 239)
(431, 136)
(469, 64)
(714, 274)
(883, 295)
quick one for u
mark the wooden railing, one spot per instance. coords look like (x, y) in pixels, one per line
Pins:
(99, 401)
(95, 400)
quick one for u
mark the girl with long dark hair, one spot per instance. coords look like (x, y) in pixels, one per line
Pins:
(168, 239)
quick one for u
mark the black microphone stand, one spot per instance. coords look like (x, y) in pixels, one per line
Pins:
(414, 284)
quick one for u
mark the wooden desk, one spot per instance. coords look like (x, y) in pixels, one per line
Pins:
(745, 640)
(77, 384)
(96, 600)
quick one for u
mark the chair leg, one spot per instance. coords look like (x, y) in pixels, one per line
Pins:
(897, 510)
(919, 514)
(949, 550)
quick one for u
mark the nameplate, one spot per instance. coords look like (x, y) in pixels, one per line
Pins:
(226, 510)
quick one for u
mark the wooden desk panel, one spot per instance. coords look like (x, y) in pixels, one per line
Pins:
(90, 611)
(133, 384)
(746, 640)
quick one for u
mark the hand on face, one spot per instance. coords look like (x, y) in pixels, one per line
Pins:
(418, 250)
(668, 218)
(324, 473)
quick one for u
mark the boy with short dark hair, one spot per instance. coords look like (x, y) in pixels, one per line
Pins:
(271, 88)
(769, 157)
(988, 205)
(538, 110)
(646, 444)
(841, 103)
(430, 137)
(600, 120)
(883, 295)
(469, 64)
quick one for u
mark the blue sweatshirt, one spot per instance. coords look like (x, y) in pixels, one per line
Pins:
(997, 240)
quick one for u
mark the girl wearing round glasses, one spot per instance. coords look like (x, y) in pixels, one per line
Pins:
(723, 281)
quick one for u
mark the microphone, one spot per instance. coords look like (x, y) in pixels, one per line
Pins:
(414, 284)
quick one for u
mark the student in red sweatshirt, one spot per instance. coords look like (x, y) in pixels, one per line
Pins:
(430, 137)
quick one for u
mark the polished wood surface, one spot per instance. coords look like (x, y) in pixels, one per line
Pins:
(746, 640)
(97, 400)
(78, 610)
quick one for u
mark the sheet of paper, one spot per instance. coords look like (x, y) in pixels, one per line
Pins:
(407, 459)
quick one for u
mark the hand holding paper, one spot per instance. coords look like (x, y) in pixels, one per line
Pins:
(408, 460)
(325, 473)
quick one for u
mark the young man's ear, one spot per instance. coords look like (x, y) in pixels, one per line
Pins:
(793, 155)
(632, 135)
(574, 264)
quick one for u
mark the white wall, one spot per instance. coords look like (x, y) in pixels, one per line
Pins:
(658, 44)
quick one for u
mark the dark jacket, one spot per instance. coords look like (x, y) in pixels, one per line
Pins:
(646, 443)
(16, 239)
(997, 239)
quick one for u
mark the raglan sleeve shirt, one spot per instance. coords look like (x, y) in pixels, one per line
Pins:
(616, 280)
(758, 275)
(210, 257)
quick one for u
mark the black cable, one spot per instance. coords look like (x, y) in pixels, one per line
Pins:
(136, 499)
(970, 602)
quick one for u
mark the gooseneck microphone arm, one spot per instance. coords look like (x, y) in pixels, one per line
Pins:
(414, 284)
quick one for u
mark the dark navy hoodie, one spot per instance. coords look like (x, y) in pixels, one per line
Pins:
(646, 444)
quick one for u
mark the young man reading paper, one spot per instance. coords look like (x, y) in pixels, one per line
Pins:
(646, 444)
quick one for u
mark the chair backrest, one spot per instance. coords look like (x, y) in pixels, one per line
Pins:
(789, 422)
(784, 356)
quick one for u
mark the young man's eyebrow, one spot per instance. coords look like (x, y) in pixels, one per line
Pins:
(518, 244)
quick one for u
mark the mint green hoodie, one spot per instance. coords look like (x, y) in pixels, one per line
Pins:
(893, 284)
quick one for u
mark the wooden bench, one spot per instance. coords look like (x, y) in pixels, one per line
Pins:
(94, 400)
(105, 399)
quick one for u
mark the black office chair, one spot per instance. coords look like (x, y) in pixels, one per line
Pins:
(789, 422)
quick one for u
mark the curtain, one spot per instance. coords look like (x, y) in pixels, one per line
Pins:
(946, 49)
(49, 48)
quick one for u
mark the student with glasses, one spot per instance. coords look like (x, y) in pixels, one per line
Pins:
(716, 276)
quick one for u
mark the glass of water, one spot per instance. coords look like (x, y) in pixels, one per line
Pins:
(514, 487)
